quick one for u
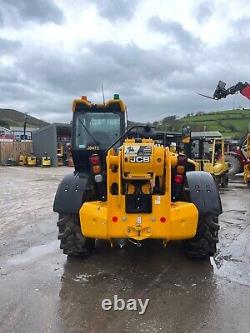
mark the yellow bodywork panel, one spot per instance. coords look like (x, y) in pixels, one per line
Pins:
(220, 168)
(139, 166)
(181, 222)
(215, 169)
(247, 166)
(247, 173)
(248, 146)
(142, 161)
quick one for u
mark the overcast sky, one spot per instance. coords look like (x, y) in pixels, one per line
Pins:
(155, 53)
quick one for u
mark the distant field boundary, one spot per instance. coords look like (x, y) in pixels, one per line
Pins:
(215, 119)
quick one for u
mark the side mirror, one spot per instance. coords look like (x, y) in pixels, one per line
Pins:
(186, 134)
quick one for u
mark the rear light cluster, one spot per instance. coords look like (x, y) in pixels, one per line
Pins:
(162, 219)
(95, 164)
(180, 170)
(179, 179)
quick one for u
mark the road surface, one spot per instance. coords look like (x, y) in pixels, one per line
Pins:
(42, 291)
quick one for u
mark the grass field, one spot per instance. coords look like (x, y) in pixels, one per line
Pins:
(231, 123)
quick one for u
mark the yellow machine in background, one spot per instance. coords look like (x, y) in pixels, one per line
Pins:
(247, 165)
(31, 160)
(46, 161)
(22, 159)
(28, 160)
(209, 156)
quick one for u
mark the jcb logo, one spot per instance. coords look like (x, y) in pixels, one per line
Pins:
(139, 159)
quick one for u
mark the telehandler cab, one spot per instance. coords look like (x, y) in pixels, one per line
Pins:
(128, 186)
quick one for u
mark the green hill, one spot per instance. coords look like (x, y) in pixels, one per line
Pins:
(231, 123)
(10, 117)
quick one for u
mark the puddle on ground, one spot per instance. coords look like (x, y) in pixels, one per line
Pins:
(233, 268)
(34, 253)
(83, 278)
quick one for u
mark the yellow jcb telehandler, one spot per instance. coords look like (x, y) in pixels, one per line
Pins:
(128, 186)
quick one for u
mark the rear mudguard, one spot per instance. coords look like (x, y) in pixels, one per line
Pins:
(202, 190)
(73, 190)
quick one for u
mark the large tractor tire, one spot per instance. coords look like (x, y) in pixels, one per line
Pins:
(234, 165)
(203, 245)
(73, 243)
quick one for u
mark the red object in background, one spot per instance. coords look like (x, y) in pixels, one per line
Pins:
(240, 156)
(246, 92)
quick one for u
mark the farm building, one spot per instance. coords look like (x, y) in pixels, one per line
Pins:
(53, 140)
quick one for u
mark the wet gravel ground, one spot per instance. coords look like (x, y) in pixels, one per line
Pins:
(42, 291)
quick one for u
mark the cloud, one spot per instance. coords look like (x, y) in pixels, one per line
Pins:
(175, 31)
(116, 66)
(42, 76)
(39, 11)
(241, 27)
(1, 18)
(204, 11)
(153, 83)
(138, 62)
(7, 45)
(128, 70)
(114, 10)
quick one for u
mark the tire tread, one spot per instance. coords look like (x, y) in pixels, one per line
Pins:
(72, 242)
